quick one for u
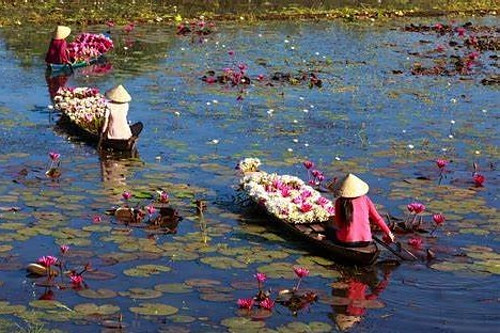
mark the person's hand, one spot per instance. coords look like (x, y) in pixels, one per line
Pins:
(389, 238)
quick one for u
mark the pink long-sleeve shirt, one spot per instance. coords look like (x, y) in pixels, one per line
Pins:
(363, 211)
(57, 53)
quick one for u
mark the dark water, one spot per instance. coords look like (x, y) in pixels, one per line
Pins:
(385, 127)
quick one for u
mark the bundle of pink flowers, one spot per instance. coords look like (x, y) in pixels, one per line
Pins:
(287, 197)
(87, 46)
(84, 106)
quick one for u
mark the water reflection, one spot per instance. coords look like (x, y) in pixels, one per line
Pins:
(54, 82)
(356, 292)
(115, 168)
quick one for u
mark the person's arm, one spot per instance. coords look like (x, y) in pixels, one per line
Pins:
(106, 121)
(377, 219)
(64, 53)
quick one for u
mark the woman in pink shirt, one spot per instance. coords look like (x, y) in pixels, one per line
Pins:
(57, 53)
(353, 213)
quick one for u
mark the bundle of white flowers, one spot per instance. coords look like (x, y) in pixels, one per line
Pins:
(249, 164)
(287, 197)
(84, 106)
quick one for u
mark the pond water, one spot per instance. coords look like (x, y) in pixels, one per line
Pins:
(365, 118)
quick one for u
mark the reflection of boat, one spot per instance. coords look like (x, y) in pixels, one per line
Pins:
(72, 128)
(55, 69)
(314, 235)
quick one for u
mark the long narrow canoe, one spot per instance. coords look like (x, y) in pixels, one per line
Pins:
(313, 235)
(68, 68)
(74, 129)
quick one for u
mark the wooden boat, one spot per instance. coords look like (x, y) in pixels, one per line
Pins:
(92, 138)
(55, 69)
(313, 235)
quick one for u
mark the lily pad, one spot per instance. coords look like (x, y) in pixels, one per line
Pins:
(278, 270)
(5, 247)
(89, 309)
(217, 297)
(97, 293)
(146, 270)
(7, 308)
(223, 262)
(182, 319)
(174, 288)
(242, 323)
(42, 304)
(154, 309)
(202, 282)
(141, 293)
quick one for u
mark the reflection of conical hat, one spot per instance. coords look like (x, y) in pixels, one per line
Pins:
(61, 32)
(345, 322)
(118, 94)
(350, 187)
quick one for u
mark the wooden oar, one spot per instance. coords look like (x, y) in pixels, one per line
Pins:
(400, 247)
(381, 242)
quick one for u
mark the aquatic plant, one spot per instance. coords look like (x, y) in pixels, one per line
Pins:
(87, 46)
(246, 303)
(53, 167)
(478, 180)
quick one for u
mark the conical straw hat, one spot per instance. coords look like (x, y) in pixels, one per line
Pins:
(61, 32)
(351, 187)
(118, 94)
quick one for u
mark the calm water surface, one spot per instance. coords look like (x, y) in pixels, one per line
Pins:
(365, 119)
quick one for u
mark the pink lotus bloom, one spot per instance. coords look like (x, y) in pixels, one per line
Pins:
(230, 52)
(77, 280)
(441, 163)
(47, 261)
(316, 173)
(301, 272)
(461, 31)
(260, 77)
(474, 55)
(305, 207)
(110, 24)
(261, 277)
(54, 156)
(416, 242)
(126, 195)
(278, 183)
(478, 179)
(96, 219)
(308, 164)
(320, 177)
(245, 303)
(285, 192)
(438, 219)
(416, 207)
(267, 304)
(438, 26)
(64, 248)
(312, 182)
(305, 194)
(151, 210)
(322, 201)
(89, 117)
(330, 210)
(297, 200)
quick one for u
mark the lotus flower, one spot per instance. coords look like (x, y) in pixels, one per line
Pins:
(267, 304)
(478, 179)
(438, 219)
(163, 197)
(416, 242)
(301, 272)
(261, 277)
(461, 31)
(438, 26)
(305, 207)
(47, 261)
(126, 195)
(64, 248)
(54, 156)
(416, 207)
(76, 280)
(151, 209)
(441, 163)
(245, 303)
(96, 219)
(308, 164)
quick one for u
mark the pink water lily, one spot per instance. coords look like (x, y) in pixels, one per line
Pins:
(297, 200)
(96, 219)
(316, 173)
(306, 207)
(305, 194)
(267, 304)
(245, 303)
(478, 179)
(461, 31)
(308, 164)
(438, 218)
(301, 272)
(285, 192)
(230, 52)
(415, 207)
(322, 201)
(64, 249)
(126, 195)
(163, 197)
(438, 26)
(76, 280)
(441, 163)
(54, 156)
(47, 261)
(330, 210)
(416, 242)
(261, 277)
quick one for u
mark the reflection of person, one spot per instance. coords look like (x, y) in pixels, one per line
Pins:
(56, 82)
(168, 218)
(356, 292)
(57, 52)
(116, 126)
(114, 173)
(353, 213)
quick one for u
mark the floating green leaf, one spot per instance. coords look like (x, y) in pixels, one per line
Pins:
(173, 288)
(146, 270)
(141, 293)
(88, 309)
(154, 309)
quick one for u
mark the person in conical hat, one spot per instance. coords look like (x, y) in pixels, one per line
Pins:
(116, 125)
(353, 213)
(57, 52)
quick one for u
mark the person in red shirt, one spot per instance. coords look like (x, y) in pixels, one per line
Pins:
(353, 213)
(57, 53)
